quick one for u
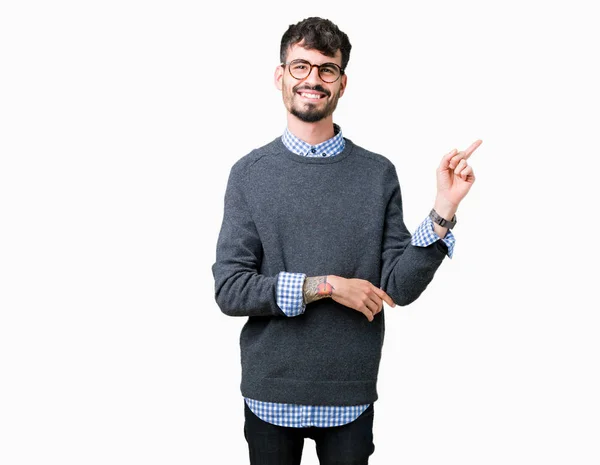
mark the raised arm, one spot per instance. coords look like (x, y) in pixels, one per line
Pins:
(406, 269)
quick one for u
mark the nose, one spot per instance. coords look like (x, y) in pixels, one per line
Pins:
(313, 74)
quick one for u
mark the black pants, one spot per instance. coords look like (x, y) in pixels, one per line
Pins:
(349, 444)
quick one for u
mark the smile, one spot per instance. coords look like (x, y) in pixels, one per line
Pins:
(311, 96)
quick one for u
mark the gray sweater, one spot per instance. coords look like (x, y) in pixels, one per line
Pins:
(338, 215)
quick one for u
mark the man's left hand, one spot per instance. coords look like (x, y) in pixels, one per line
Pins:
(454, 175)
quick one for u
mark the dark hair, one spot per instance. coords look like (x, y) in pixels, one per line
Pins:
(318, 34)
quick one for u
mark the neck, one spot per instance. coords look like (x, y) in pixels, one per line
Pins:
(311, 133)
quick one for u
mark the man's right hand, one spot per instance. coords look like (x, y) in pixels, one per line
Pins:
(359, 294)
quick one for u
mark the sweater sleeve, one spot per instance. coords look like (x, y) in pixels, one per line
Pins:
(240, 290)
(406, 269)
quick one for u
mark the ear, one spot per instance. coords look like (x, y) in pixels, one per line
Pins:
(344, 82)
(278, 77)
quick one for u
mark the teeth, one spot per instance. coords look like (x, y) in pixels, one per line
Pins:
(315, 96)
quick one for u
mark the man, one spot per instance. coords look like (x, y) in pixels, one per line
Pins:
(311, 245)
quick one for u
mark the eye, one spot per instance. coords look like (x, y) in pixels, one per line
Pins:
(328, 70)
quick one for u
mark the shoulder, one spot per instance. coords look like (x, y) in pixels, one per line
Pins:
(246, 162)
(373, 158)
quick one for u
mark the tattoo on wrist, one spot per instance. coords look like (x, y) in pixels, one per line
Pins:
(316, 288)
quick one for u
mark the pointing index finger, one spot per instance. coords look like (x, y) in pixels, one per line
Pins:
(472, 148)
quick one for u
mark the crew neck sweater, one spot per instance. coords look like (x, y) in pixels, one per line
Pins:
(290, 300)
(344, 217)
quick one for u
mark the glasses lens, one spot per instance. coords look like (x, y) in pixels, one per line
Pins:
(300, 69)
(329, 72)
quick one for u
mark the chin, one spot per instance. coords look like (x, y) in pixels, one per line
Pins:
(309, 117)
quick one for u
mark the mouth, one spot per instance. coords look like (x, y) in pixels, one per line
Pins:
(311, 95)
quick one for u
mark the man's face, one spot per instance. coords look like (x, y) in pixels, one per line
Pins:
(309, 99)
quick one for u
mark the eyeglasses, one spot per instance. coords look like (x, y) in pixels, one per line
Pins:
(300, 69)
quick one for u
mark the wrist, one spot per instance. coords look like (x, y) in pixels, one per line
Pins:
(444, 208)
(334, 281)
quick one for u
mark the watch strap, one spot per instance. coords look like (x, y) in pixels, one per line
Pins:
(436, 218)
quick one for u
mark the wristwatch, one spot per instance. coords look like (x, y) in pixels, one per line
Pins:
(442, 221)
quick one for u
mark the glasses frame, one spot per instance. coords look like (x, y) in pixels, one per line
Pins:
(311, 67)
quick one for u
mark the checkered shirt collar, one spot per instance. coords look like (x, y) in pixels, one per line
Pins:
(329, 148)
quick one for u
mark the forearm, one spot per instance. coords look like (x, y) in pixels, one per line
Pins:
(405, 277)
(246, 293)
(315, 288)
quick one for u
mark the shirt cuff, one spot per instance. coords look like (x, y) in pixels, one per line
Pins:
(425, 235)
(290, 297)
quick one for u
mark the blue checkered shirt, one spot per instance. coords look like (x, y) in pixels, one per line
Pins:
(290, 301)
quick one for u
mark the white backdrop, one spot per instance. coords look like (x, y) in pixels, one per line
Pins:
(119, 123)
